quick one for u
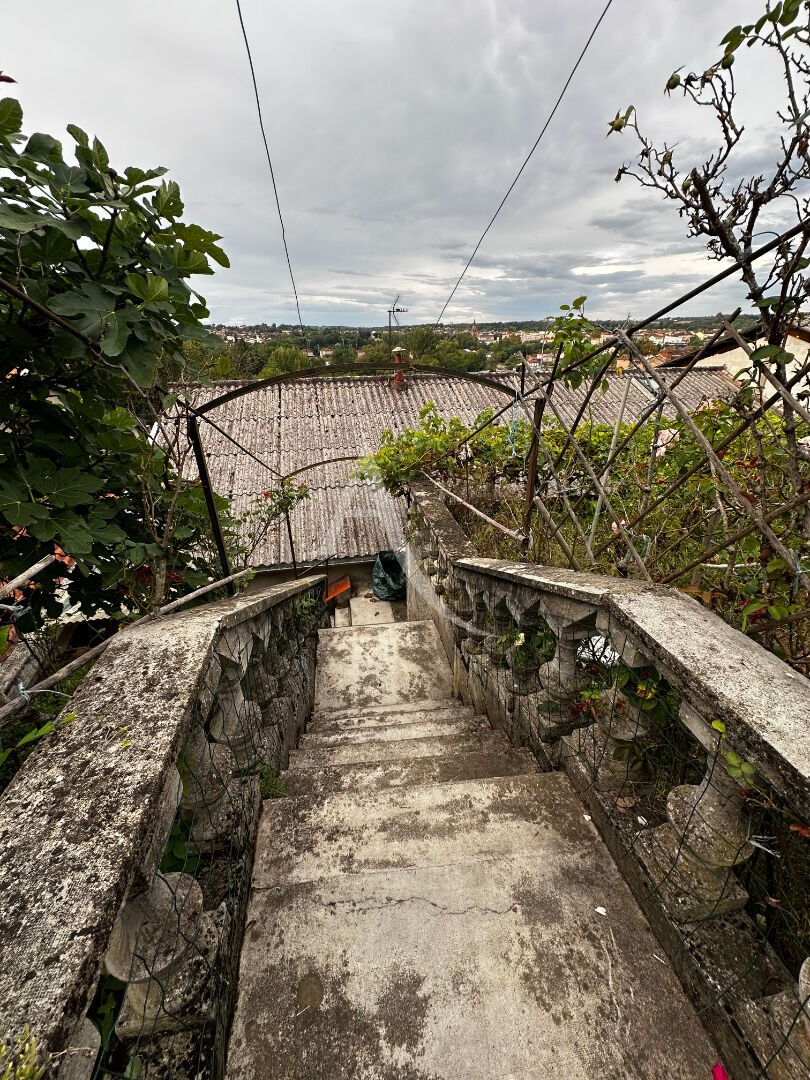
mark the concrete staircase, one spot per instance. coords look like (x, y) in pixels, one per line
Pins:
(426, 905)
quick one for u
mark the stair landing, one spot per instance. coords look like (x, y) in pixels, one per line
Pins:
(445, 912)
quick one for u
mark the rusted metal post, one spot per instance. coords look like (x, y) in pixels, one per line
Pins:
(531, 469)
(290, 538)
(205, 480)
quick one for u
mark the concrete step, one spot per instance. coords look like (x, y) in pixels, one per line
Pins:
(366, 611)
(381, 665)
(342, 616)
(475, 936)
(412, 772)
(337, 754)
(401, 709)
(308, 839)
(390, 717)
(438, 724)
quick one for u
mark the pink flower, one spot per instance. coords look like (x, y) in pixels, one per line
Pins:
(665, 439)
(719, 1073)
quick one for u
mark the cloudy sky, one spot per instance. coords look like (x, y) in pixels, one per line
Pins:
(395, 130)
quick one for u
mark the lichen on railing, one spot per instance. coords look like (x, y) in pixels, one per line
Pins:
(689, 746)
(128, 839)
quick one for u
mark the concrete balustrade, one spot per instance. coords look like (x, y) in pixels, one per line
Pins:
(127, 836)
(734, 702)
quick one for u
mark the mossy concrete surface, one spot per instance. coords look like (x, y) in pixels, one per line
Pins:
(444, 912)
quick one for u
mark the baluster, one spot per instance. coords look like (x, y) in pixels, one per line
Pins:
(440, 579)
(620, 723)
(430, 563)
(236, 720)
(462, 609)
(691, 857)
(503, 626)
(80, 1060)
(480, 628)
(164, 947)
(212, 793)
(523, 659)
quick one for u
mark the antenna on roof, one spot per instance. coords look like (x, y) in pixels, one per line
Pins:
(392, 314)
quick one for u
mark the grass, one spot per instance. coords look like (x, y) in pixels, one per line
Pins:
(271, 785)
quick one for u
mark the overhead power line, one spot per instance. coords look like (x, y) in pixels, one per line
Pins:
(269, 162)
(527, 159)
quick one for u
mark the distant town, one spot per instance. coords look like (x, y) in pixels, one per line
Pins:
(264, 349)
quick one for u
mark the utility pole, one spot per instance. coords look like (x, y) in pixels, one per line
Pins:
(393, 311)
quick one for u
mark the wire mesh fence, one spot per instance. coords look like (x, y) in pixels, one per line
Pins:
(709, 492)
(164, 1002)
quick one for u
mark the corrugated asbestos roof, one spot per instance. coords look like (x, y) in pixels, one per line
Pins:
(307, 421)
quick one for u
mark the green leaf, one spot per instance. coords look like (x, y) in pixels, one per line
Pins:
(134, 1068)
(101, 158)
(21, 221)
(37, 733)
(11, 117)
(148, 287)
(116, 334)
(76, 539)
(790, 12)
(88, 298)
(78, 135)
(43, 148)
(765, 352)
(167, 201)
(120, 418)
(200, 239)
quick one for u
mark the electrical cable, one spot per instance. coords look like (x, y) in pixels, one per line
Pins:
(270, 163)
(528, 157)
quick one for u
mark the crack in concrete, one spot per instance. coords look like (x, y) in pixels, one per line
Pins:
(362, 907)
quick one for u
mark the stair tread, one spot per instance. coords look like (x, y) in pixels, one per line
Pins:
(389, 718)
(376, 750)
(410, 772)
(400, 708)
(392, 732)
(381, 665)
(307, 838)
(459, 967)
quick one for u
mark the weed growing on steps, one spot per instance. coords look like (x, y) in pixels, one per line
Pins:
(271, 785)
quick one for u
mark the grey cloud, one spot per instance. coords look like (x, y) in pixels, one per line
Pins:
(393, 139)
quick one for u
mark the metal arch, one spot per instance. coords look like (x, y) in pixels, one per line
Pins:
(279, 380)
(316, 372)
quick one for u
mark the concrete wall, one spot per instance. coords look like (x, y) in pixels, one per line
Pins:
(127, 836)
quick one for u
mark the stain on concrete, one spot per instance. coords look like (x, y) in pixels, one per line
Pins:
(403, 1008)
(439, 923)
(309, 994)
